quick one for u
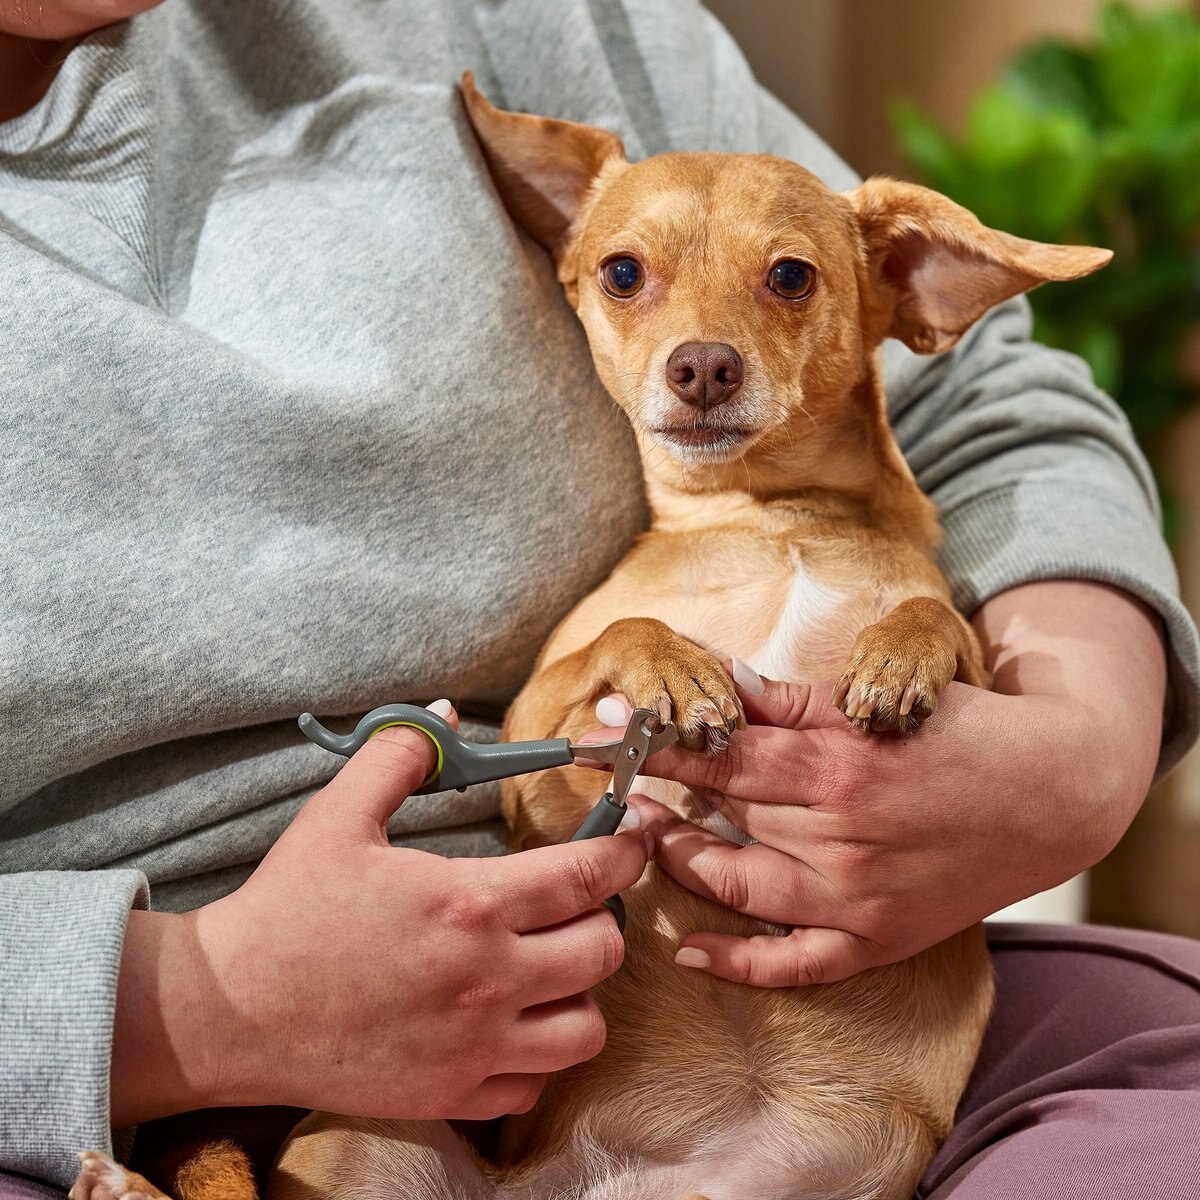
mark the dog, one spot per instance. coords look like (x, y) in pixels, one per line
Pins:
(735, 307)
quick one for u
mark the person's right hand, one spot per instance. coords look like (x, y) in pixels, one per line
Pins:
(353, 976)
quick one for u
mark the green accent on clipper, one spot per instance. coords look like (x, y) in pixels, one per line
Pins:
(441, 757)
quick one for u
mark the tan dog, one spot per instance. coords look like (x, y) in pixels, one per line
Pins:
(734, 306)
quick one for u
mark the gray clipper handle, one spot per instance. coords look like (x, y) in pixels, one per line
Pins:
(462, 762)
(603, 820)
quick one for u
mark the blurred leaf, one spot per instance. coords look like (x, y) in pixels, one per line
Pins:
(1052, 74)
(1096, 143)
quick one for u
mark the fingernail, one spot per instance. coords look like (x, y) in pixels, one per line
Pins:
(747, 679)
(611, 711)
(631, 820)
(441, 708)
(689, 956)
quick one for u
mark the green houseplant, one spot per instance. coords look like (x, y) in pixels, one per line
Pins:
(1098, 143)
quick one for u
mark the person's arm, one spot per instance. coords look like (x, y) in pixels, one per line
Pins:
(345, 974)
(353, 976)
(877, 846)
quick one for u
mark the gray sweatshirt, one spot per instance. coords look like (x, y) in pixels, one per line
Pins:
(294, 419)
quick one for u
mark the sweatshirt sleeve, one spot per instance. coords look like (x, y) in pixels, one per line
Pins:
(61, 934)
(1035, 470)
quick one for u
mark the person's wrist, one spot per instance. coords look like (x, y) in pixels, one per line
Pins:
(177, 1039)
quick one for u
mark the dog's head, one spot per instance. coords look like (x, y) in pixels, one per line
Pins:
(723, 294)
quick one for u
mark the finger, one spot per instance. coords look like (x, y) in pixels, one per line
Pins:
(551, 884)
(757, 880)
(569, 958)
(785, 705)
(376, 780)
(783, 826)
(613, 710)
(803, 957)
(766, 764)
(445, 710)
(499, 1095)
(552, 1037)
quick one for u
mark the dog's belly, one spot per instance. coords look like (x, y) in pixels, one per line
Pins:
(763, 1156)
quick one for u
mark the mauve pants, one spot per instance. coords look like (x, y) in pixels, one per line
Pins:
(1088, 1083)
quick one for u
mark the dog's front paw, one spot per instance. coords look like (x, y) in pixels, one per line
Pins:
(895, 675)
(657, 669)
(102, 1179)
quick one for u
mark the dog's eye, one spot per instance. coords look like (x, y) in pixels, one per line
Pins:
(791, 279)
(621, 277)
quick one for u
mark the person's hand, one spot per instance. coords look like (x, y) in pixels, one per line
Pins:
(350, 975)
(874, 847)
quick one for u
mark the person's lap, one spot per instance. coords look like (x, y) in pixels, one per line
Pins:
(1088, 1082)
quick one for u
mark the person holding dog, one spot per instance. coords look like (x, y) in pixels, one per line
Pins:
(277, 380)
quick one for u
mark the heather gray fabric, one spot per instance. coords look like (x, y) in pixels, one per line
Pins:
(294, 419)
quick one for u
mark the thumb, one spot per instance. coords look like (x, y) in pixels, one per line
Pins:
(377, 779)
(785, 705)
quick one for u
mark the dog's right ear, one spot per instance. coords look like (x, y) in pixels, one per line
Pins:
(542, 168)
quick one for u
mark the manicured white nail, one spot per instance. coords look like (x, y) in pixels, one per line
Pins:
(747, 679)
(631, 820)
(611, 711)
(441, 708)
(689, 956)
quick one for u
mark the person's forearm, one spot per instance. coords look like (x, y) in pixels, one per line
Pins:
(1101, 650)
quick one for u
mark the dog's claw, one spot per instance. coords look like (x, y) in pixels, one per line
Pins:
(908, 699)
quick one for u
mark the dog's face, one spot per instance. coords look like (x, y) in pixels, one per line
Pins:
(734, 302)
(720, 295)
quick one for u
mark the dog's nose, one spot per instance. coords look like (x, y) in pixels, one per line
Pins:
(704, 374)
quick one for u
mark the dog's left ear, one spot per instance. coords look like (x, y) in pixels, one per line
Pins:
(542, 167)
(936, 269)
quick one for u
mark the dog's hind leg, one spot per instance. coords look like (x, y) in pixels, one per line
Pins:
(347, 1158)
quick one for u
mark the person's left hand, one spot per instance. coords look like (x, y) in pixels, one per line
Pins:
(874, 847)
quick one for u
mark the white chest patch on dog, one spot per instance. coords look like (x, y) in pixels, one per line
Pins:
(807, 631)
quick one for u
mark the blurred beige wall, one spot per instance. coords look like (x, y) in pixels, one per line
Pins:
(838, 62)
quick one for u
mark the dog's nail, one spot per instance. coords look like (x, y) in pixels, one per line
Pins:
(866, 708)
(689, 956)
(663, 708)
(840, 692)
(710, 716)
(631, 820)
(747, 678)
(908, 699)
(731, 710)
(440, 708)
(612, 711)
(850, 702)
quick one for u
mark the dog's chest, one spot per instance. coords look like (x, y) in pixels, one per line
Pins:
(785, 617)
